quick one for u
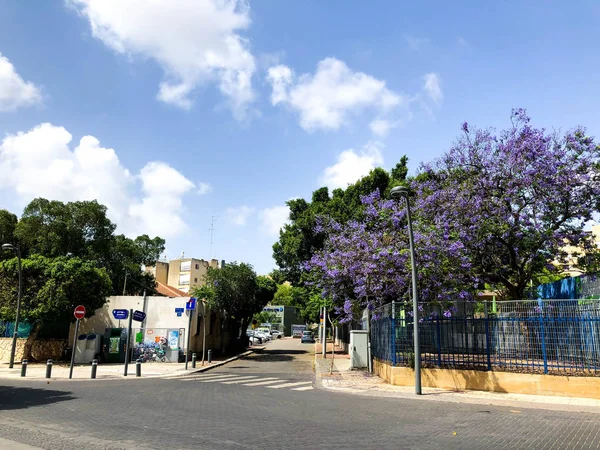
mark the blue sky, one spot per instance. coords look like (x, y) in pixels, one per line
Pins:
(173, 112)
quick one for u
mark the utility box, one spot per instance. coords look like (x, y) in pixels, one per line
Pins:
(359, 352)
(115, 340)
(89, 347)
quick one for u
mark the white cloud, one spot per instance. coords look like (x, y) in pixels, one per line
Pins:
(193, 41)
(239, 215)
(353, 165)
(381, 127)
(14, 91)
(40, 163)
(326, 99)
(204, 188)
(432, 87)
(273, 219)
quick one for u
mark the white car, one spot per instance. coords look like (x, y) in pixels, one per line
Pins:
(265, 337)
(276, 334)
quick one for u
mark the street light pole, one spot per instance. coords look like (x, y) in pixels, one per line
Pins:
(16, 249)
(398, 192)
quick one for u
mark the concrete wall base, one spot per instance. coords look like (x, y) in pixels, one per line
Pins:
(514, 383)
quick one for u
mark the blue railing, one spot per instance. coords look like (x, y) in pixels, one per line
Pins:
(552, 337)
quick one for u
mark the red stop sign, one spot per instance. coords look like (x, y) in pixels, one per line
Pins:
(79, 312)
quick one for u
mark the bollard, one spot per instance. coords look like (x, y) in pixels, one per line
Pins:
(94, 367)
(209, 356)
(48, 368)
(193, 360)
(23, 367)
(138, 368)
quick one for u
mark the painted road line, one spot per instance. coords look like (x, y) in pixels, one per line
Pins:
(265, 381)
(240, 380)
(220, 380)
(286, 385)
(306, 388)
(205, 377)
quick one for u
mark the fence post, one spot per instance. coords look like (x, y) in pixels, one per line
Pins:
(543, 338)
(393, 333)
(439, 340)
(487, 337)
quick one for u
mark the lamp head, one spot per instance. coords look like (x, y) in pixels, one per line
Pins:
(8, 247)
(399, 192)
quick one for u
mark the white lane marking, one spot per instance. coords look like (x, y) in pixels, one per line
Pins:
(206, 377)
(286, 385)
(261, 383)
(306, 388)
(239, 380)
(220, 380)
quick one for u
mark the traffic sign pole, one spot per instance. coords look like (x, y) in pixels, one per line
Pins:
(73, 350)
(79, 313)
(189, 334)
(128, 344)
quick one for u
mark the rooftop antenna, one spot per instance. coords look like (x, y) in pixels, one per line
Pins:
(212, 229)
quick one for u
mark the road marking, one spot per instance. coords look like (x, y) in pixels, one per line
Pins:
(205, 377)
(261, 383)
(220, 380)
(239, 380)
(220, 377)
(286, 385)
(306, 388)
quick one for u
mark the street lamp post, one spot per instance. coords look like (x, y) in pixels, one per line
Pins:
(15, 248)
(397, 193)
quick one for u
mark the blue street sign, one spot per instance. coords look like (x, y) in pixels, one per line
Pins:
(139, 316)
(120, 314)
(179, 310)
(191, 304)
(179, 314)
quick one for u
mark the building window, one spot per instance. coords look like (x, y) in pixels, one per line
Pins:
(195, 280)
(185, 266)
(184, 278)
(197, 266)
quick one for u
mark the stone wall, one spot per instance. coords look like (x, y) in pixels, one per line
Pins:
(42, 349)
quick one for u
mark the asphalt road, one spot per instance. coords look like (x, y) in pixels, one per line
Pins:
(266, 401)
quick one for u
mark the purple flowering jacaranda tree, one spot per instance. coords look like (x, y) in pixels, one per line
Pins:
(512, 199)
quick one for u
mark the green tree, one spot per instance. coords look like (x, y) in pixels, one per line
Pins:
(234, 290)
(52, 287)
(8, 223)
(82, 229)
(266, 288)
(298, 240)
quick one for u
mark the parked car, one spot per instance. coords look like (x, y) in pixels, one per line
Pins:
(276, 334)
(254, 340)
(264, 336)
(308, 337)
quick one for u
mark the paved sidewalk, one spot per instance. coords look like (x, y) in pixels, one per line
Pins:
(338, 377)
(60, 369)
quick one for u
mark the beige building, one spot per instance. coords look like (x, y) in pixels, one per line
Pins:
(160, 272)
(574, 253)
(187, 273)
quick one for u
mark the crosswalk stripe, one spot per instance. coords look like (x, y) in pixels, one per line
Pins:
(286, 385)
(239, 380)
(220, 380)
(205, 377)
(264, 381)
(217, 375)
(306, 388)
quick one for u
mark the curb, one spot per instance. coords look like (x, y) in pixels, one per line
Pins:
(213, 366)
(112, 377)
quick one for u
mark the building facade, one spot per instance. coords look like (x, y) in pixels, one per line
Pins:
(283, 318)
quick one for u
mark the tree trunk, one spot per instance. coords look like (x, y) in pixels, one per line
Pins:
(30, 341)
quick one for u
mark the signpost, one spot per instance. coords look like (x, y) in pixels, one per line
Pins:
(190, 306)
(120, 314)
(139, 316)
(79, 314)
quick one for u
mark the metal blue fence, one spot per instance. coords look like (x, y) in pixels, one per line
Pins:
(7, 329)
(559, 337)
